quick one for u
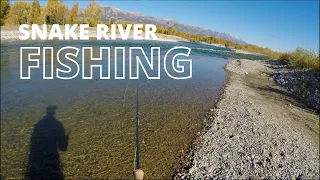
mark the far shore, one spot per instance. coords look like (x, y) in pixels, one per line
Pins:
(240, 51)
(11, 34)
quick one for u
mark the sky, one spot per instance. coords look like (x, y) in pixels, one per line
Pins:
(279, 25)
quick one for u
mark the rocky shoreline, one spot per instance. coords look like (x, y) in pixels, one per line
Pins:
(259, 131)
(303, 83)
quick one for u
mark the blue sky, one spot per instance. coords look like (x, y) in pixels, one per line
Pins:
(279, 25)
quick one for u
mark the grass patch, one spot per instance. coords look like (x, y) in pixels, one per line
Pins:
(301, 59)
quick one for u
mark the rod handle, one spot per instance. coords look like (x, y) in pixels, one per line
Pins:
(138, 174)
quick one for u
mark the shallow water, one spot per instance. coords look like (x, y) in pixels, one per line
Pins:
(99, 115)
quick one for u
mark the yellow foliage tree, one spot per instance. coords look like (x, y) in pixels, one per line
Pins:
(36, 12)
(56, 12)
(74, 12)
(172, 30)
(93, 13)
(42, 17)
(20, 13)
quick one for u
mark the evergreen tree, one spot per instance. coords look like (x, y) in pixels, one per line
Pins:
(5, 6)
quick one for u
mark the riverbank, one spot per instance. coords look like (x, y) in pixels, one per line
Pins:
(12, 34)
(240, 51)
(259, 131)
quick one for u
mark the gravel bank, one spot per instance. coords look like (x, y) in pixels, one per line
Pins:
(259, 131)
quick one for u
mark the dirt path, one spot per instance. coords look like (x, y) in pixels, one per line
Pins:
(260, 131)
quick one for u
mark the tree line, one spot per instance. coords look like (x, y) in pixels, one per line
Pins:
(56, 12)
(216, 40)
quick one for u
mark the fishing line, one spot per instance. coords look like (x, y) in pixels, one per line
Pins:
(124, 95)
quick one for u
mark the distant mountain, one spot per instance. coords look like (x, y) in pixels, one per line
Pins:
(115, 14)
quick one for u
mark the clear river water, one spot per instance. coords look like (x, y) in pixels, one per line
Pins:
(98, 116)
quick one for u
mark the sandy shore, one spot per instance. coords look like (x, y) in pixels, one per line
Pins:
(260, 131)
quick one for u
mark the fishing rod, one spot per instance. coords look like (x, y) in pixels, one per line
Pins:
(138, 173)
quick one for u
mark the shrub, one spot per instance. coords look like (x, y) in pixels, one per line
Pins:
(301, 59)
(285, 57)
(304, 59)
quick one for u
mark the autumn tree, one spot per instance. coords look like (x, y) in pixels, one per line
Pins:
(51, 11)
(226, 45)
(19, 13)
(36, 12)
(63, 14)
(74, 12)
(171, 30)
(56, 12)
(93, 13)
(237, 46)
(5, 6)
(42, 17)
(160, 29)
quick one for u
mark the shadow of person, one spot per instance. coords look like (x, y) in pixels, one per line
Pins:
(47, 138)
